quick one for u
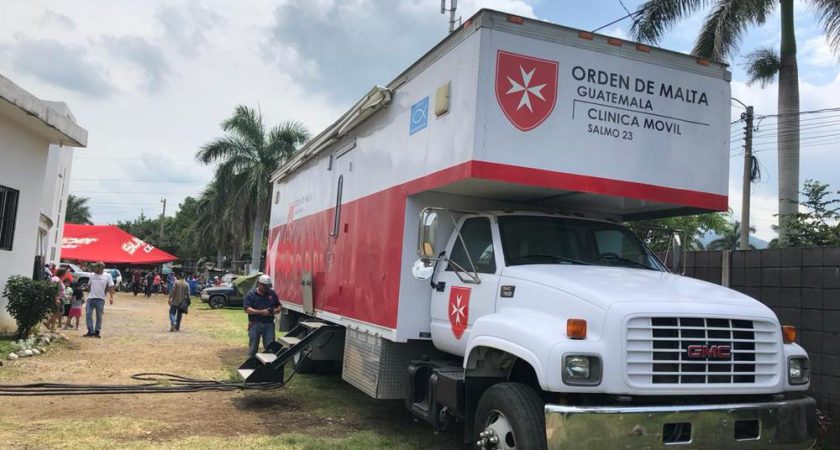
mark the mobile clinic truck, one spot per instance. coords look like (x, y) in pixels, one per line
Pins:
(507, 158)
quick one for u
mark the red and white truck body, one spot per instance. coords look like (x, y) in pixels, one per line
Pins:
(510, 116)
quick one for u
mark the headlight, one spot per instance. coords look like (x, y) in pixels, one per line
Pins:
(582, 370)
(799, 370)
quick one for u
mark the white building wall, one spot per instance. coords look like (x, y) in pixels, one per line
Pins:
(24, 158)
(54, 198)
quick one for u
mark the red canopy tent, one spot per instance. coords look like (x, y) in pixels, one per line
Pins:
(108, 244)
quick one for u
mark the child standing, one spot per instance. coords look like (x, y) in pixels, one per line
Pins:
(76, 307)
(66, 300)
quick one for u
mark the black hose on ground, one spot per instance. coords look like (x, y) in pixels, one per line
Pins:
(161, 383)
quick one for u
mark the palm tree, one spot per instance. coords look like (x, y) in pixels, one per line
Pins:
(719, 38)
(78, 210)
(248, 155)
(731, 239)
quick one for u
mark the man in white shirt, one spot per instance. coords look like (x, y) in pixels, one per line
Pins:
(99, 285)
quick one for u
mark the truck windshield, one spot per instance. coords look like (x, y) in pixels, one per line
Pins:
(557, 240)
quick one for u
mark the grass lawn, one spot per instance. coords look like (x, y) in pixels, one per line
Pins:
(5, 346)
(311, 412)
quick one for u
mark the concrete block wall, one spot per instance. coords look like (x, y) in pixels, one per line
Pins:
(802, 286)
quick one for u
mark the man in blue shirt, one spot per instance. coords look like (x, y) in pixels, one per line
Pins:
(261, 304)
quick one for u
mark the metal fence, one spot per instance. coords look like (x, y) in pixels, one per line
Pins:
(802, 286)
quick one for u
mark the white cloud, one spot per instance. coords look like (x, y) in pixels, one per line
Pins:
(816, 52)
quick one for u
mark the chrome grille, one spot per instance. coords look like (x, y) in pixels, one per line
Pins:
(658, 351)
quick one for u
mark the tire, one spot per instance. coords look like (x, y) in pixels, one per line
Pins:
(217, 302)
(513, 413)
(305, 365)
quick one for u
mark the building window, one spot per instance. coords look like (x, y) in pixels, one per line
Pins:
(8, 216)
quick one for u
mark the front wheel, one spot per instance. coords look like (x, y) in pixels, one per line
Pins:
(510, 416)
(216, 302)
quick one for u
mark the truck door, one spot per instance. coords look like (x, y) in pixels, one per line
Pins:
(338, 258)
(457, 304)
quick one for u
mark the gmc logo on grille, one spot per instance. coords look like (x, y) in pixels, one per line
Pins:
(709, 351)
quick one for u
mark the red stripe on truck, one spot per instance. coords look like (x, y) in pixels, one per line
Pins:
(357, 274)
(596, 185)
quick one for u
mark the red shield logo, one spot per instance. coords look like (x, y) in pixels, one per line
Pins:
(526, 88)
(459, 310)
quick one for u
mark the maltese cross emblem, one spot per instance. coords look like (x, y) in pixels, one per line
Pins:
(459, 310)
(526, 88)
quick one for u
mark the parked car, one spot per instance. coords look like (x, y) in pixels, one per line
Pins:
(222, 296)
(80, 277)
(229, 294)
(116, 275)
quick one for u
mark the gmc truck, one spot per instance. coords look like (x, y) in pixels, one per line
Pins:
(456, 240)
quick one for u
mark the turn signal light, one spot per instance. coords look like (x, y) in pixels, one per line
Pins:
(789, 334)
(576, 329)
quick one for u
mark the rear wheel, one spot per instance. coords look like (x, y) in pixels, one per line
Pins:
(216, 302)
(303, 364)
(510, 416)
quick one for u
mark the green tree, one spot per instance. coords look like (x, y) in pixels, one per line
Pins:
(78, 210)
(819, 225)
(656, 232)
(730, 239)
(249, 154)
(719, 38)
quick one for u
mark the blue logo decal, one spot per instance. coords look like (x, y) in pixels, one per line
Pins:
(419, 116)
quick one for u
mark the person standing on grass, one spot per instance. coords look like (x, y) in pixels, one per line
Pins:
(261, 304)
(99, 285)
(179, 301)
(57, 308)
(66, 301)
(150, 277)
(76, 307)
(156, 281)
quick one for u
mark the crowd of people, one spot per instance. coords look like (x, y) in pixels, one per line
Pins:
(261, 303)
(153, 282)
(69, 300)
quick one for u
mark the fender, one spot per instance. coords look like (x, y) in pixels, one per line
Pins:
(508, 332)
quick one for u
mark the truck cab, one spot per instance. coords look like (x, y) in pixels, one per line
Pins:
(578, 321)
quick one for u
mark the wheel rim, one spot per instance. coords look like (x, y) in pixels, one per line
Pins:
(216, 302)
(498, 433)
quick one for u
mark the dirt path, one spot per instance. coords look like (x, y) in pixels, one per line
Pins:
(136, 338)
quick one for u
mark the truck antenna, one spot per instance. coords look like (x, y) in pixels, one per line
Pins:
(453, 5)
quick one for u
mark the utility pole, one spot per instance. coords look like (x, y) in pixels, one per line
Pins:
(452, 7)
(745, 195)
(162, 216)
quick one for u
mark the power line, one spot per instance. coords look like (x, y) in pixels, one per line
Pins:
(151, 158)
(812, 111)
(123, 180)
(629, 14)
(137, 192)
(625, 8)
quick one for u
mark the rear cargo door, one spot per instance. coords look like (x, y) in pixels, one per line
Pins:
(456, 304)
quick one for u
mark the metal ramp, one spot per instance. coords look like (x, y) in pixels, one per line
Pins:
(269, 367)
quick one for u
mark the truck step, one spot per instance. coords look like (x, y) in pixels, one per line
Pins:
(289, 341)
(266, 358)
(245, 373)
(313, 325)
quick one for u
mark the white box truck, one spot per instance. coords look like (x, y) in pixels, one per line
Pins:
(455, 240)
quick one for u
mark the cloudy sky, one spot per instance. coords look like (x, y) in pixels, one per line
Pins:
(152, 80)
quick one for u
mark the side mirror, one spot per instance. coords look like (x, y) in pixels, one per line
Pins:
(679, 249)
(426, 235)
(422, 269)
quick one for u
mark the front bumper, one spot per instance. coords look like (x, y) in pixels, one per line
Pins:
(787, 424)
